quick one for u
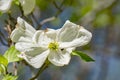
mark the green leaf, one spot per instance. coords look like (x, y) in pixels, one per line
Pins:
(43, 4)
(102, 20)
(3, 64)
(2, 69)
(75, 17)
(27, 6)
(71, 3)
(3, 60)
(1, 13)
(83, 56)
(11, 54)
(10, 77)
(16, 2)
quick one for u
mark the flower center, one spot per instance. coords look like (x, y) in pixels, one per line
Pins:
(53, 45)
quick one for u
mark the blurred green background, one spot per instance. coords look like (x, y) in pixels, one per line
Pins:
(101, 17)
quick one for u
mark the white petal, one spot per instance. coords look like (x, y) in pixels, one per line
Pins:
(24, 46)
(22, 23)
(28, 6)
(35, 51)
(5, 5)
(60, 57)
(41, 39)
(37, 35)
(30, 49)
(36, 61)
(68, 32)
(83, 38)
(23, 31)
(16, 34)
(69, 50)
(51, 33)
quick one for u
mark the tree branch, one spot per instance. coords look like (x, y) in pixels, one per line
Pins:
(57, 7)
(15, 68)
(38, 24)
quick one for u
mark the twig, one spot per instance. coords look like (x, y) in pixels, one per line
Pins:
(62, 3)
(9, 29)
(22, 12)
(15, 68)
(47, 20)
(54, 17)
(40, 70)
(39, 25)
(9, 32)
(59, 8)
(11, 19)
(10, 23)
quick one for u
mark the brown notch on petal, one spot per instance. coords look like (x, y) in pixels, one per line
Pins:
(46, 30)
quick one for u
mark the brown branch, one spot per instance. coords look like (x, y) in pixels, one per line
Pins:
(57, 7)
(38, 24)
(9, 32)
(9, 29)
(22, 12)
(11, 19)
(54, 17)
(62, 3)
(15, 68)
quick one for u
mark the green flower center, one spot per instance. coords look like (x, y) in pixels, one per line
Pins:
(53, 46)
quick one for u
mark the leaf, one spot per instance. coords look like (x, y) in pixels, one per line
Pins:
(75, 17)
(11, 54)
(83, 56)
(43, 4)
(16, 2)
(1, 13)
(73, 3)
(27, 6)
(3, 60)
(3, 64)
(2, 69)
(10, 77)
(102, 20)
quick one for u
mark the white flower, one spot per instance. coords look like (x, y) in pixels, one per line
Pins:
(56, 45)
(27, 5)
(5, 5)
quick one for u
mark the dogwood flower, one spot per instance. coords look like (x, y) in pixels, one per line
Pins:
(5, 5)
(27, 5)
(54, 45)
